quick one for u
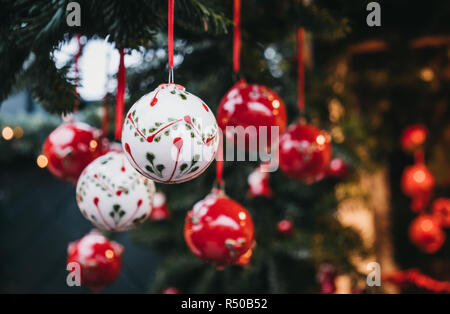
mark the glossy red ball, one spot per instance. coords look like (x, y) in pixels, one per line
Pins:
(417, 181)
(218, 230)
(160, 211)
(441, 210)
(100, 260)
(413, 137)
(249, 105)
(305, 153)
(425, 232)
(71, 147)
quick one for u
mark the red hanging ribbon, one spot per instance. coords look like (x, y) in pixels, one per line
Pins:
(170, 32)
(237, 36)
(120, 95)
(300, 69)
(219, 163)
(105, 115)
(77, 71)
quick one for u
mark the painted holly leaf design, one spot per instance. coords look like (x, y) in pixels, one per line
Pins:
(150, 157)
(183, 166)
(160, 167)
(117, 213)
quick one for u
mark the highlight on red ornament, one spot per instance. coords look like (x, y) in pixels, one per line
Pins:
(71, 147)
(413, 137)
(440, 209)
(160, 210)
(100, 260)
(251, 105)
(285, 227)
(426, 233)
(219, 230)
(305, 153)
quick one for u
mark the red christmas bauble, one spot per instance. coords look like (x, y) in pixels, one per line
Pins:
(426, 233)
(413, 137)
(417, 181)
(71, 147)
(285, 227)
(441, 210)
(100, 260)
(327, 278)
(171, 290)
(218, 229)
(251, 105)
(160, 211)
(258, 182)
(305, 153)
(338, 168)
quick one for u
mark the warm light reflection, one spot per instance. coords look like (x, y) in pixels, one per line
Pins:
(276, 103)
(320, 139)
(7, 133)
(427, 74)
(419, 176)
(242, 215)
(42, 161)
(109, 254)
(93, 145)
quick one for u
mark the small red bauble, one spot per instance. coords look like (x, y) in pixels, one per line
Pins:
(327, 278)
(305, 153)
(285, 227)
(71, 147)
(251, 105)
(441, 210)
(160, 211)
(258, 182)
(218, 229)
(418, 183)
(171, 290)
(100, 260)
(413, 137)
(338, 168)
(426, 233)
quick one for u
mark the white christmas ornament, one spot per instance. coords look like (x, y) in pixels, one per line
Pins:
(170, 135)
(112, 195)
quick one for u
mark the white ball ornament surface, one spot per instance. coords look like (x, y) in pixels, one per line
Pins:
(112, 195)
(170, 135)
